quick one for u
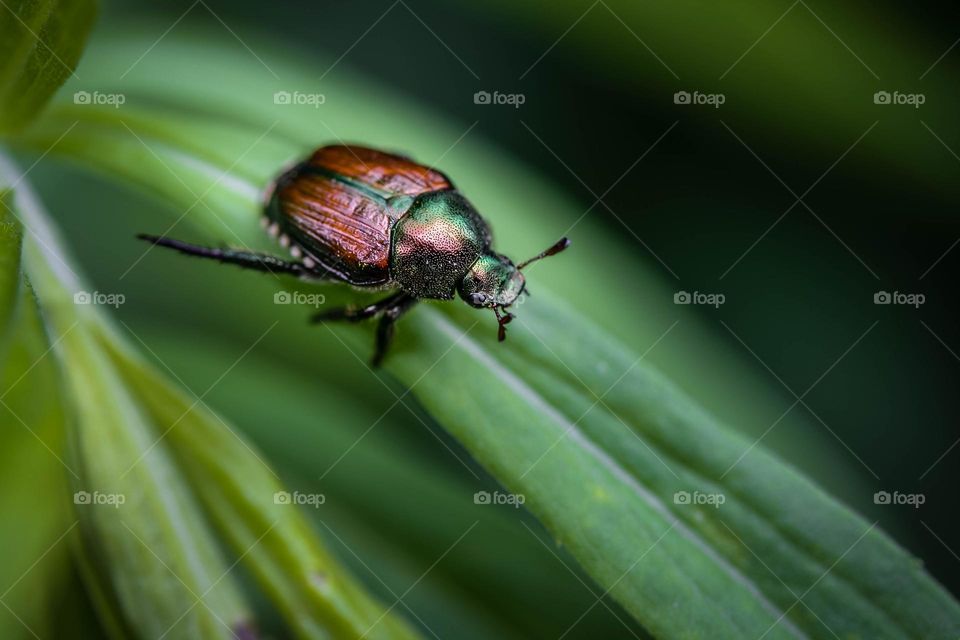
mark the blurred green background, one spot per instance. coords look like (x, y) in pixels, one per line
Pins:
(699, 198)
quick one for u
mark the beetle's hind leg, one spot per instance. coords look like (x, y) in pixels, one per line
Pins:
(246, 259)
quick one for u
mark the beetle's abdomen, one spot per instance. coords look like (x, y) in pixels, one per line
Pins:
(338, 208)
(340, 228)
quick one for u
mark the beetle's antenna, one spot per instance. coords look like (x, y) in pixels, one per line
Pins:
(561, 244)
(502, 322)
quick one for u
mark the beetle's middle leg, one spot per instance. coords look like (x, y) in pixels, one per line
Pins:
(385, 329)
(389, 309)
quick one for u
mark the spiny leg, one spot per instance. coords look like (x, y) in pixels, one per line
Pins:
(356, 314)
(386, 328)
(245, 259)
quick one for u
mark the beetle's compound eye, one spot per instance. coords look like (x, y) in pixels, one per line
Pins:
(478, 299)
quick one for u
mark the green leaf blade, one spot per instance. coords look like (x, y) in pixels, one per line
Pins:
(600, 476)
(40, 45)
(315, 594)
(11, 245)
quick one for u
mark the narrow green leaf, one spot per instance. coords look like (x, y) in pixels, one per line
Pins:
(605, 476)
(138, 515)
(40, 45)
(139, 522)
(11, 242)
(245, 498)
(32, 485)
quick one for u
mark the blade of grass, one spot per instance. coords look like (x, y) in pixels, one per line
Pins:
(40, 45)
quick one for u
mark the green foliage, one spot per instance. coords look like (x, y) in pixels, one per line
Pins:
(30, 477)
(596, 441)
(40, 44)
(11, 241)
(653, 497)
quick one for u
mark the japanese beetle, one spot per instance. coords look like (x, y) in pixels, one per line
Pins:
(379, 220)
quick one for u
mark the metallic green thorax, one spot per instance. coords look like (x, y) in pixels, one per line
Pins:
(435, 243)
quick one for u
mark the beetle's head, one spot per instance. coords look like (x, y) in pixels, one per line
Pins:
(494, 282)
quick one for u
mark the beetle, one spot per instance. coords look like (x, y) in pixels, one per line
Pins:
(379, 220)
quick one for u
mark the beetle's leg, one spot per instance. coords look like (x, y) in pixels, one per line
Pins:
(386, 328)
(355, 314)
(245, 259)
(502, 322)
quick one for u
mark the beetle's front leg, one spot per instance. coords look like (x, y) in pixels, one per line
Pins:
(386, 328)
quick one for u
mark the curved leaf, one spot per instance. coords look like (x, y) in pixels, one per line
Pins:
(11, 242)
(241, 492)
(31, 445)
(40, 44)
